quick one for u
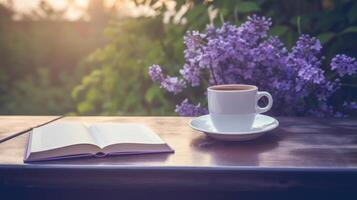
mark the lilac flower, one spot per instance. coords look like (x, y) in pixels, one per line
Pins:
(304, 57)
(351, 105)
(323, 110)
(187, 109)
(344, 65)
(155, 73)
(246, 54)
(254, 29)
(173, 84)
(191, 74)
(339, 115)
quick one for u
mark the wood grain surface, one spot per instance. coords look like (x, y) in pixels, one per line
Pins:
(322, 152)
(297, 142)
(13, 125)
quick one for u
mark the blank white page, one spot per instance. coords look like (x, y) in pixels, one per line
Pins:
(106, 134)
(59, 134)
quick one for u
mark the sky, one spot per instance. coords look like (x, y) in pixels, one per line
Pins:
(76, 7)
(74, 11)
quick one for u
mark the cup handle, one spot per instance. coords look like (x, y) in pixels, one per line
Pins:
(268, 106)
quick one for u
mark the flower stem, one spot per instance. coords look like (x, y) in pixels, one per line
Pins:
(213, 76)
(222, 75)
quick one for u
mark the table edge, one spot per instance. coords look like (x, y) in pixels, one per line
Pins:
(178, 168)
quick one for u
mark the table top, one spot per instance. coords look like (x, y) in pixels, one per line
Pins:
(297, 142)
(10, 126)
(300, 153)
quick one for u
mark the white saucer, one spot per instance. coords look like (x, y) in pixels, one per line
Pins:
(262, 124)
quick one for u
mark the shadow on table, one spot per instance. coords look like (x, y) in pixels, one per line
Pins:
(246, 153)
(147, 159)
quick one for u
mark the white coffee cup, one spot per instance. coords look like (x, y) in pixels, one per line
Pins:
(234, 107)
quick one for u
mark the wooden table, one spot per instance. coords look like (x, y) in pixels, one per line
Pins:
(302, 154)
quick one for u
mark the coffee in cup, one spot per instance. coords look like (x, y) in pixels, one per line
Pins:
(234, 107)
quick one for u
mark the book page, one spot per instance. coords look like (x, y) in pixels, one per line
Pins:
(106, 134)
(59, 134)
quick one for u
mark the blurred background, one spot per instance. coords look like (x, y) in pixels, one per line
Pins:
(90, 57)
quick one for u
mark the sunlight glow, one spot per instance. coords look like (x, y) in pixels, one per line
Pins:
(76, 9)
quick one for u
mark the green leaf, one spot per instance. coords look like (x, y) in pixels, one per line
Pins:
(85, 107)
(298, 22)
(247, 7)
(197, 17)
(326, 37)
(352, 29)
(179, 4)
(196, 12)
(151, 93)
(278, 30)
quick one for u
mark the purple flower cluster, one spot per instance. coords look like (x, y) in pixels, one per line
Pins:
(171, 84)
(350, 105)
(187, 109)
(246, 54)
(344, 65)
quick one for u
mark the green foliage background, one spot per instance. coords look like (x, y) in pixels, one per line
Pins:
(118, 82)
(109, 76)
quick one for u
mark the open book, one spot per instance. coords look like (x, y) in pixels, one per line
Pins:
(72, 139)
